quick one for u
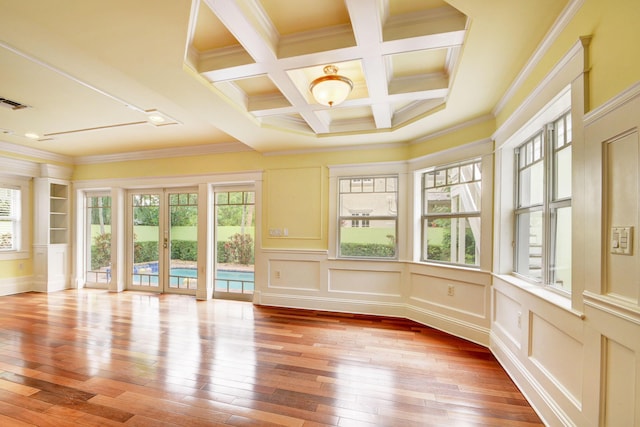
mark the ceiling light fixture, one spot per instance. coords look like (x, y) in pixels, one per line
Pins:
(158, 118)
(331, 89)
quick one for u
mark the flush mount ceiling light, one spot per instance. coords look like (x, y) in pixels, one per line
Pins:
(158, 118)
(331, 89)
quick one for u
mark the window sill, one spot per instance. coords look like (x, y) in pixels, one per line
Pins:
(544, 293)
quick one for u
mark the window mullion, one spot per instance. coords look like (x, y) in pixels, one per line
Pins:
(547, 252)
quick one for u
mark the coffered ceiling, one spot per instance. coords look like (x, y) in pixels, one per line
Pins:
(102, 78)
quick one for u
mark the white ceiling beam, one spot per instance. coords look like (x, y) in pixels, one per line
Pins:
(366, 20)
(431, 41)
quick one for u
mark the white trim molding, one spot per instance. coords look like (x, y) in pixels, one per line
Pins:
(556, 29)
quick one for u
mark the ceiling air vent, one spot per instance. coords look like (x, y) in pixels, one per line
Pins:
(11, 105)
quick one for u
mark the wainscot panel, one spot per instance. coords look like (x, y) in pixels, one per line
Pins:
(369, 282)
(455, 300)
(565, 371)
(463, 297)
(549, 365)
(620, 371)
(294, 274)
(507, 316)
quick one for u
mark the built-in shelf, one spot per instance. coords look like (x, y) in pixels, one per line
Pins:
(58, 213)
(52, 235)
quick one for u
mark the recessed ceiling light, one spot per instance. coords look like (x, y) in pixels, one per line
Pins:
(157, 118)
(32, 135)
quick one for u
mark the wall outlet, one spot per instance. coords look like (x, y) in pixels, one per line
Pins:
(450, 290)
(275, 232)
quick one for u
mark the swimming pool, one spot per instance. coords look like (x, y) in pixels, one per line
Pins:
(235, 281)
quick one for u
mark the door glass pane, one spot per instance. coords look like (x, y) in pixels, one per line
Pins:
(183, 241)
(98, 239)
(146, 239)
(235, 237)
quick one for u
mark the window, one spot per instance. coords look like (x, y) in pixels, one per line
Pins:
(368, 217)
(451, 197)
(98, 238)
(10, 218)
(543, 205)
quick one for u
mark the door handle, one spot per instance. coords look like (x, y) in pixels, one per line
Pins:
(165, 244)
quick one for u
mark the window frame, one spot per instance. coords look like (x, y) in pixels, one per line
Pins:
(21, 249)
(399, 168)
(360, 218)
(550, 203)
(426, 216)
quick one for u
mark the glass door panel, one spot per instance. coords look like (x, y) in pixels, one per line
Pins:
(183, 242)
(235, 237)
(98, 240)
(145, 214)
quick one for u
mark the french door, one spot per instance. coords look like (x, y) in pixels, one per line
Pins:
(163, 236)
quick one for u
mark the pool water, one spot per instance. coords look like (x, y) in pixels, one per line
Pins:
(225, 281)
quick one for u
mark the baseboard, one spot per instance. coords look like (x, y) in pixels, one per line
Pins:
(329, 304)
(451, 325)
(16, 285)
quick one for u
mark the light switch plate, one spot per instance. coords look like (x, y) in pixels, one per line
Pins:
(621, 240)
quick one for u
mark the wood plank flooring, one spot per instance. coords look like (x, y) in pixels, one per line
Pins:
(93, 358)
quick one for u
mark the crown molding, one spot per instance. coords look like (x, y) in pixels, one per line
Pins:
(452, 129)
(18, 167)
(469, 150)
(200, 150)
(558, 26)
(561, 75)
(34, 153)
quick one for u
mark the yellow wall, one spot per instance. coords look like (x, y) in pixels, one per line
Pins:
(615, 65)
(12, 268)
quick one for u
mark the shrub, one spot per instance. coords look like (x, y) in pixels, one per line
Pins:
(145, 251)
(239, 249)
(373, 250)
(186, 250)
(101, 251)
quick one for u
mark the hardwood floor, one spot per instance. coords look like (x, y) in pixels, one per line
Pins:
(89, 357)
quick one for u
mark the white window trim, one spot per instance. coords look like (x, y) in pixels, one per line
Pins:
(24, 185)
(569, 76)
(482, 149)
(450, 215)
(369, 170)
